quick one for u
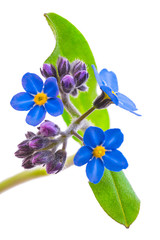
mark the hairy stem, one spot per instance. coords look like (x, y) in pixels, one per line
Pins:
(77, 135)
(28, 175)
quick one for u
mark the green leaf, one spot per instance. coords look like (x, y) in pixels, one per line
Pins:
(70, 43)
(116, 196)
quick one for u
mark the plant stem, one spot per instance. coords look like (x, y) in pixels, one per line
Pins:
(77, 135)
(83, 116)
(28, 175)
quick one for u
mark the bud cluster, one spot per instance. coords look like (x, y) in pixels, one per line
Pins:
(35, 149)
(72, 76)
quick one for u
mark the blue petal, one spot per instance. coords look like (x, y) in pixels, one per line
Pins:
(32, 83)
(97, 76)
(22, 101)
(36, 115)
(83, 155)
(109, 92)
(126, 103)
(51, 87)
(93, 137)
(54, 106)
(113, 139)
(95, 170)
(114, 161)
(109, 79)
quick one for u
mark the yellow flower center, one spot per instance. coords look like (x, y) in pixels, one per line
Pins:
(99, 151)
(107, 97)
(40, 99)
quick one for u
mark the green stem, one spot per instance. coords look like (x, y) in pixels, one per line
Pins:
(28, 175)
(77, 136)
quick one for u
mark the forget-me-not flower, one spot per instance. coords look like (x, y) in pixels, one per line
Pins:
(109, 85)
(39, 98)
(100, 151)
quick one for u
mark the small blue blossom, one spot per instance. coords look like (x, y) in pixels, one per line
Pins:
(109, 85)
(39, 98)
(99, 151)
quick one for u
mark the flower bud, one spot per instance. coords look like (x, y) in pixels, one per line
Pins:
(83, 88)
(29, 135)
(67, 83)
(22, 153)
(27, 163)
(77, 66)
(57, 163)
(42, 157)
(80, 77)
(74, 92)
(48, 70)
(38, 142)
(63, 66)
(49, 129)
(24, 145)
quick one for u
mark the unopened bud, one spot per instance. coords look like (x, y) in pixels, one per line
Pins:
(49, 129)
(27, 163)
(67, 83)
(24, 145)
(42, 157)
(74, 92)
(83, 88)
(57, 164)
(30, 135)
(77, 66)
(63, 66)
(80, 77)
(38, 142)
(22, 153)
(48, 70)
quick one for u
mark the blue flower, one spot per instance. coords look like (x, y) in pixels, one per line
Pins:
(109, 85)
(38, 98)
(100, 151)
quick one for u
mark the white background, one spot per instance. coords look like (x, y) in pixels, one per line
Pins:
(124, 37)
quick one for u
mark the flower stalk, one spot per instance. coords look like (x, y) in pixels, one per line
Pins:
(28, 175)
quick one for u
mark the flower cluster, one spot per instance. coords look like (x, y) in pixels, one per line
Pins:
(36, 149)
(40, 97)
(100, 148)
(99, 151)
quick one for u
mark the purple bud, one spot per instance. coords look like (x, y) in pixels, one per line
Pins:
(77, 66)
(48, 70)
(63, 66)
(83, 88)
(49, 129)
(74, 92)
(24, 145)
(27, 163)
(42, 157)
(80, 77)
(29, 135)
(57, 163)
(67, 83)
(38, 142)
(22, 153)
